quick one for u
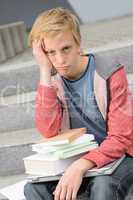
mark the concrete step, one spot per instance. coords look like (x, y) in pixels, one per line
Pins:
(19, 75)
(17, 112)
(19, 60)
(119, 51)
(19, 79)
(6, 181)
(14, 146)
(11, 179)
(103, 32)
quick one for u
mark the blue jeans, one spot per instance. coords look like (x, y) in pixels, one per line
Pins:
(105, 187)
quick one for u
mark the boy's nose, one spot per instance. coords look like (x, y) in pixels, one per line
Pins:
(60, 58)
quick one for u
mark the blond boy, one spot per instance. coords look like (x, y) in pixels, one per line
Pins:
(72, 93)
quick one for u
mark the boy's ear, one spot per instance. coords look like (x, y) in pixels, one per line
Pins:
(80, 50)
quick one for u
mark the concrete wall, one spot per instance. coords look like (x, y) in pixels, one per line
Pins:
(26, 10)
(90, 11)
(87, 10)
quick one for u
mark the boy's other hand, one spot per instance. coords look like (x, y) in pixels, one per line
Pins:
(69, 184)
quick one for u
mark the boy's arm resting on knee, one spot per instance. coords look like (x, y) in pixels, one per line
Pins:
(48, 111)
(119, 122)
(83, 165)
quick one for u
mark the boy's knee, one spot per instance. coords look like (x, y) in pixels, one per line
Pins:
(102, 183)
(27, 189)
(34, 191)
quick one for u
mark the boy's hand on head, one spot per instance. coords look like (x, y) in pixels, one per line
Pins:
(41, 57)
(69, 184)
(43, 62)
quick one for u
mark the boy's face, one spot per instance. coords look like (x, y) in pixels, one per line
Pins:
(64, 53)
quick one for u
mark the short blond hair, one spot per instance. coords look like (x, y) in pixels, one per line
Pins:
(54, 21)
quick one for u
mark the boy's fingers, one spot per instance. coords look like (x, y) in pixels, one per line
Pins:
(43, 45)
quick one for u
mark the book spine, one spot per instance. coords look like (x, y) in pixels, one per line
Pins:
(74, 151)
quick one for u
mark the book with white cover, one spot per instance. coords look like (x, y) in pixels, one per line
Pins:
(106, 170)
(39, 164)
(52, 163)
(83, 139)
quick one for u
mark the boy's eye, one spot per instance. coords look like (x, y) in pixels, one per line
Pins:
(66, 49)
(51, 53)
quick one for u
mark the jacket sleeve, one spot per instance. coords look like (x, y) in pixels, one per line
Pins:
(48, 112)
(119, 122)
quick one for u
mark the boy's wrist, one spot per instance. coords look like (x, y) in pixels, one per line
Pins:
(45, 77)
(86, 165)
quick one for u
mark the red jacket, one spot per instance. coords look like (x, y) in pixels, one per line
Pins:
(119, 117)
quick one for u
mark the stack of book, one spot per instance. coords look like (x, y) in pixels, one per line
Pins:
(54, 155)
